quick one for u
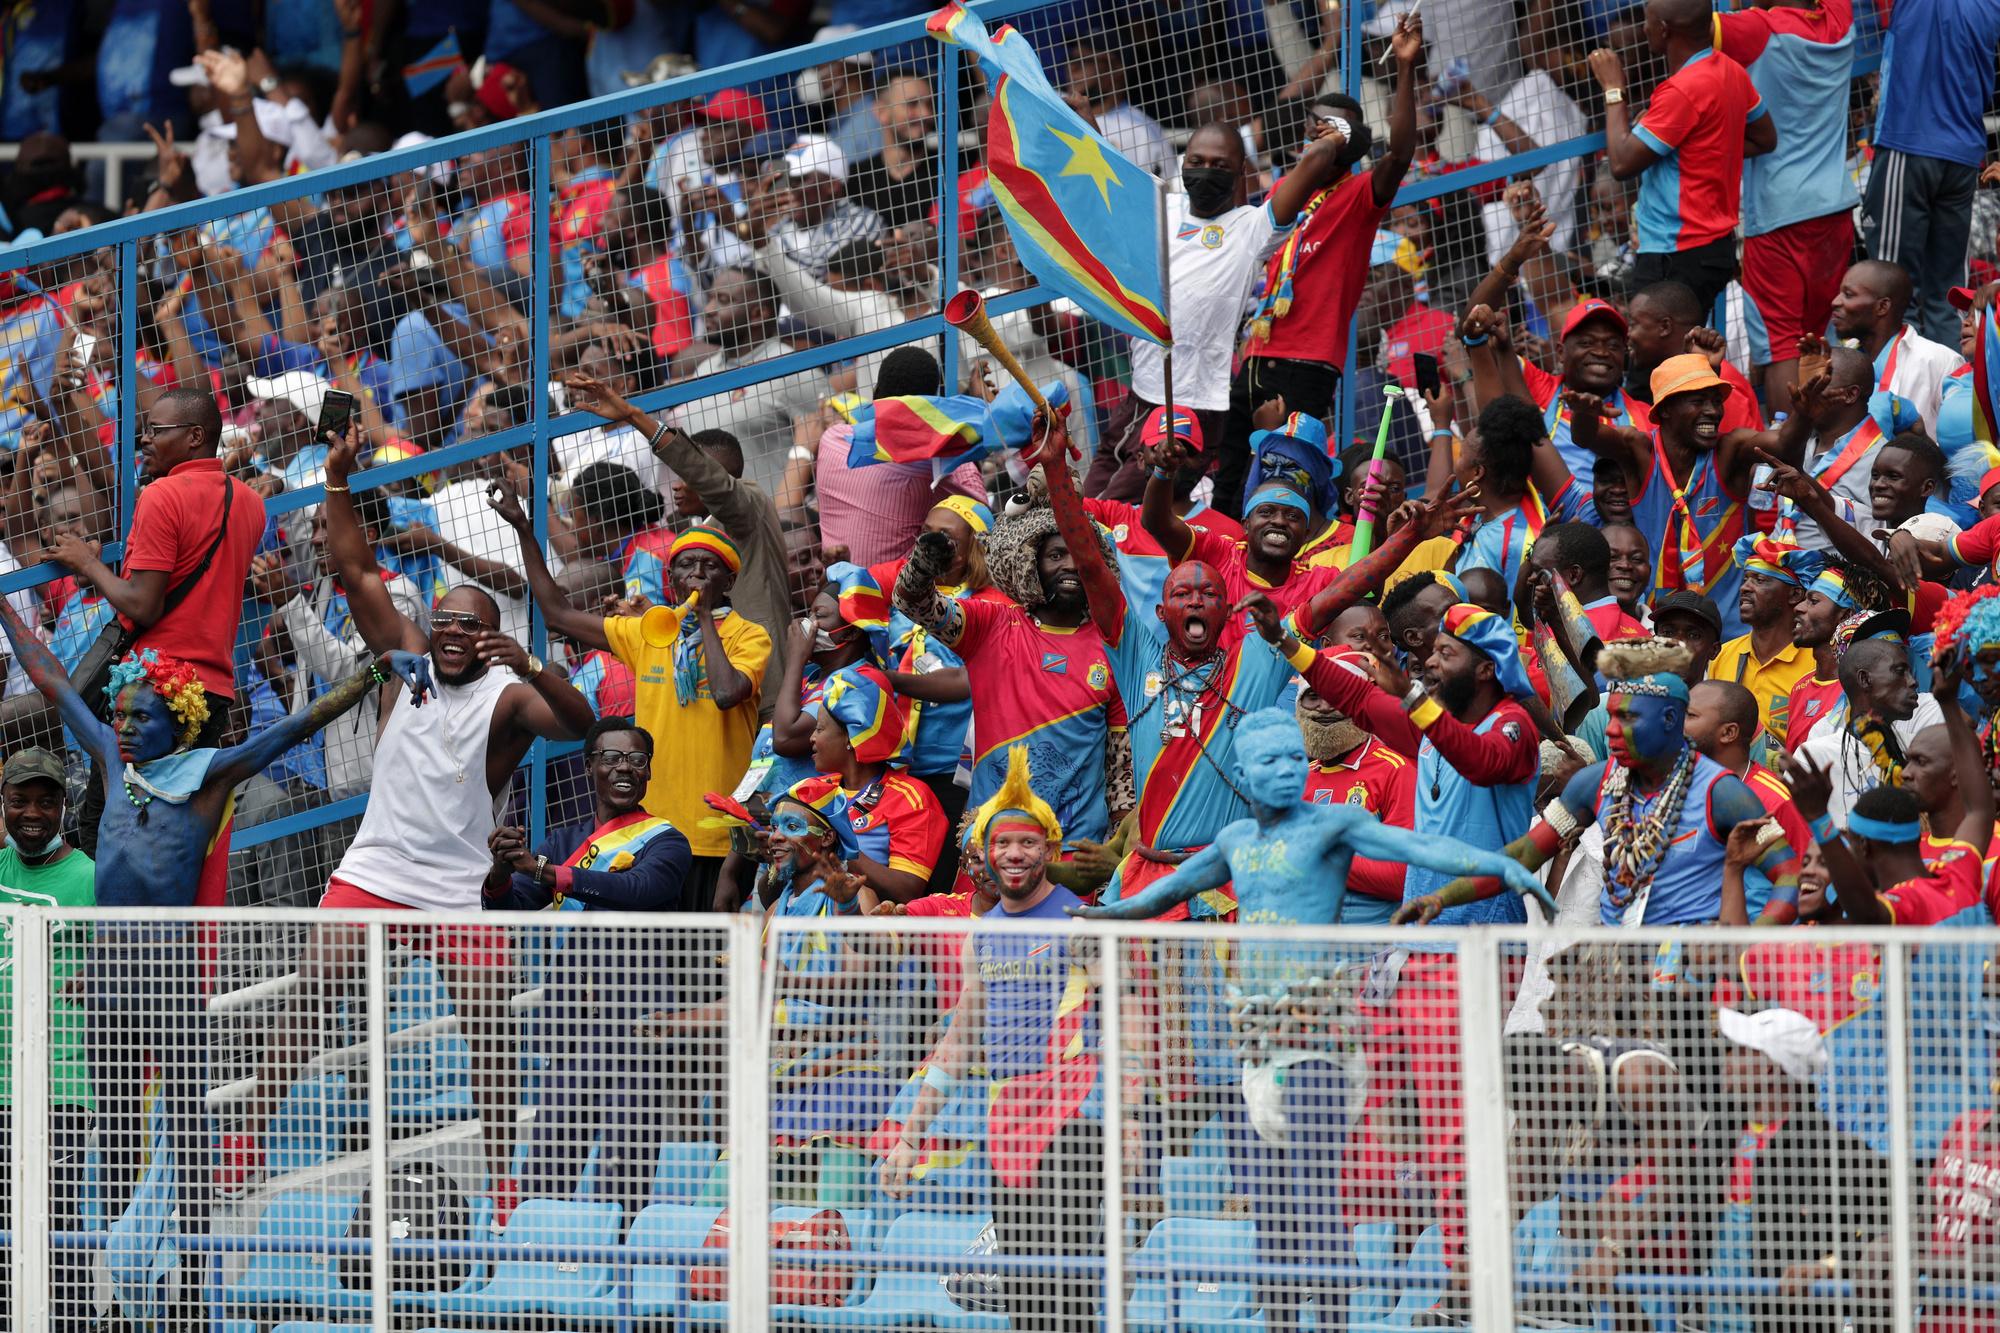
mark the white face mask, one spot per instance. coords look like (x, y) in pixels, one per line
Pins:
(32, 852)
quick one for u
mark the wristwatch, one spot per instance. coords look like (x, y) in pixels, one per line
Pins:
(1414, 695)
(541, 867)
(534, 668)
(1613, 96)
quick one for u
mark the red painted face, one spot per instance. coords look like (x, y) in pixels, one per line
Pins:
(1193, 608)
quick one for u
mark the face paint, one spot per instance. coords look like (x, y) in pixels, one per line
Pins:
(791, 824)
(1017, 852)
(1643, 728)
(145, 729)
(1192, 607)
(1271, 768)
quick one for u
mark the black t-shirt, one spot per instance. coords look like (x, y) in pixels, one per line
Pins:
(900, 202)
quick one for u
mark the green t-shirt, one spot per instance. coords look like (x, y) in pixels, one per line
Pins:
(70, 882)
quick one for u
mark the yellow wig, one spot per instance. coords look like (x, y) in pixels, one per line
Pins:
(1015, 794)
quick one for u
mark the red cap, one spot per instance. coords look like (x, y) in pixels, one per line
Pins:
(1186, 425)
(1990, 480)
(1591, 309)
(1925, 605)
(735, 104)
(1961, 297)
(492, 91)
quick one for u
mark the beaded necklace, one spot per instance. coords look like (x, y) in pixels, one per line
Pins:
(1635, 843)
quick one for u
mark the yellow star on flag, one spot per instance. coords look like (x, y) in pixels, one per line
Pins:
(1086, 158)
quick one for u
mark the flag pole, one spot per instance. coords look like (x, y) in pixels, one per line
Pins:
(1167, 299)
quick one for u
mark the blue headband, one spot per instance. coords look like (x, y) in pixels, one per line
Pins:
(1277, 493)
(1882, 830)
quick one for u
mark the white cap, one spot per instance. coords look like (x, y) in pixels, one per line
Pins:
(1924, 527)
(301, 388)
(815, 153)
(437, 171)
(833, 32)
(1786, 1037)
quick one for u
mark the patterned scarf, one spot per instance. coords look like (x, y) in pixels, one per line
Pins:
(690, 670)
(1276, 301)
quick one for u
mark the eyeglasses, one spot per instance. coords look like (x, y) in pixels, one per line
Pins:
(636, 760)
(155, 427)
(463, 620)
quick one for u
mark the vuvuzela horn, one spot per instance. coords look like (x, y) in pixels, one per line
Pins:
(967, 312)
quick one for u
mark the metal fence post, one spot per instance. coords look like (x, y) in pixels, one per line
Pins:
(1111, 1071)
(30, 984)
(749, 1131)
(128, 381)
(1350, 82)
(538, 400)
(1902, 1222)
(948, 238)
(377, 1004)
(1489, 1260)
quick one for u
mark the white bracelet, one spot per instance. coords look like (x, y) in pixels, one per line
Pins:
(1562, 820)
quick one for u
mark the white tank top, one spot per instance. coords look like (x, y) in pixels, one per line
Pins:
(422, 840)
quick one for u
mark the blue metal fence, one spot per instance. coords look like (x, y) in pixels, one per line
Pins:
(132, 238)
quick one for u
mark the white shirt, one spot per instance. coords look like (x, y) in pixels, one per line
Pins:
(1138, 136)
(1212, 264)
(24, 603)
(1846, 759)
(466, 521)
(1545, 114)
(1915, 370)
(619, 444)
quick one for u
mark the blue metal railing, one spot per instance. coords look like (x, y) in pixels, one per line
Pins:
(132, 236)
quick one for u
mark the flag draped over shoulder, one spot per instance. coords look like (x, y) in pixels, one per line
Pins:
(943, 432)
(1986, 376)
(1086, 220)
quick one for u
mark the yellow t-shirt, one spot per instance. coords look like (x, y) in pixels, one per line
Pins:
(698, 748)
(1770, 681)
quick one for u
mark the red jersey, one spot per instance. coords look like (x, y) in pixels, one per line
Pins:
(173, 524)
(1957, 881)
(1934, 849)
(1964, 1190)
(1612, 622)
(1694, 122)
(1812, 699)
(1328, 252)
(1377, 779)
(896, 820)
(1230, 559)
(1832, 984)
(1421, 329)
(946, 950)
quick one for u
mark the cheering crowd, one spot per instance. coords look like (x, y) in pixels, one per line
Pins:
(1696, 621)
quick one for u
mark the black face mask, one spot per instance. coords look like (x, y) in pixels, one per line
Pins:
(1209, 189)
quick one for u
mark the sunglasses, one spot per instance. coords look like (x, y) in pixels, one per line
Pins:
(636, 760)
(461, 620)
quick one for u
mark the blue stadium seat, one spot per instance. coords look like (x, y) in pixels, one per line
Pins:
(659, 1287)
(903, 1297)
(1194, 1186)
(683, 1170)
(1426, 1279)
(583, 1290)
(1207, 1303)
(1372, 1299)
(298, 1278)
(303, 1326)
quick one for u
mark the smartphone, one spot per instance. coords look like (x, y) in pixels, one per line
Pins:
(335, 411)
(83, 349)
(1428, 380)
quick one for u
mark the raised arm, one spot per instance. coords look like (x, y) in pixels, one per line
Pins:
(1051, 450)
(239, 763)
(580, 627)
(1853, 887)
(1624, 152)
(49, 677)
(1816, 502)
(917, 595)
(1732, 803)
(1433, 516)
(382, 626)
(1628, 448)
(1372, 838)
(1206, 869)
(1407, 45)
(1975, 787)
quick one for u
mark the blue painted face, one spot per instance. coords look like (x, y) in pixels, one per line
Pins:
(1643, 727)
(1271, 767)
(145, 729)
